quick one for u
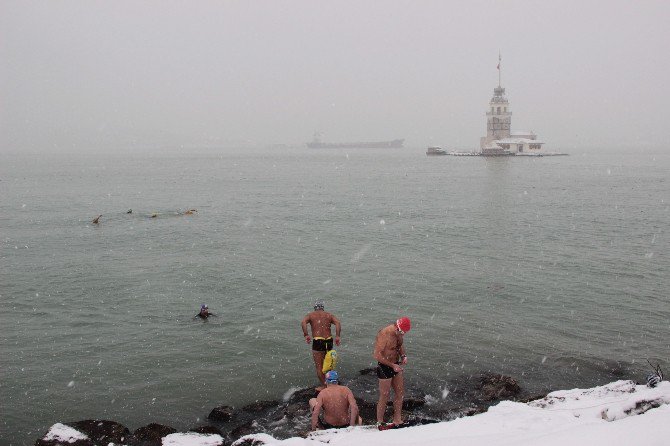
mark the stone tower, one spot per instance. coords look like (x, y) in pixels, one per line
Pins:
(498, 117)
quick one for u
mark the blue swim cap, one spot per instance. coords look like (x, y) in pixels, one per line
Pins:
(331, 377)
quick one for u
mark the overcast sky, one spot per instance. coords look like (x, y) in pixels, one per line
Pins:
(94, 75)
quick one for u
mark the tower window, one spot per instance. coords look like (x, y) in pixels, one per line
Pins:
(498, 110)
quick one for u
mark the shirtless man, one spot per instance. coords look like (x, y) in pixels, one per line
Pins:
(320, 322)
(338, 404)
(390, 355)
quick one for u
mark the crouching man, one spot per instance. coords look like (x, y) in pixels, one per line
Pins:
(338, 404)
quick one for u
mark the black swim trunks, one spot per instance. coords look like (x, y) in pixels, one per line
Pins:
(385, 372)
(322, 345)
(330, 426)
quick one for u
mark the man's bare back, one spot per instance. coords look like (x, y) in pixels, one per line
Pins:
(339, 408)
(320, 322)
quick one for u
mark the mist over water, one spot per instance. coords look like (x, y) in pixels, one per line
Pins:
(552, 270)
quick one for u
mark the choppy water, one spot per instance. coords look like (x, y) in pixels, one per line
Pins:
(553, 270)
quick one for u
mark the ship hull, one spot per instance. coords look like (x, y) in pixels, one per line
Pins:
(395, 144)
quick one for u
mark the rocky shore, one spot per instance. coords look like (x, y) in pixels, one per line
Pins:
(289, 418)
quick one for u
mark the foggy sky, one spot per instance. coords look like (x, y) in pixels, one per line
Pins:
(93, 75)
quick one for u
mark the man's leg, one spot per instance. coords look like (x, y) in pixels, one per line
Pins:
(318, 364)
(399, 390)
(384, 390)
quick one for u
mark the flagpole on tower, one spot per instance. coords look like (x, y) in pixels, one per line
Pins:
(499, 59)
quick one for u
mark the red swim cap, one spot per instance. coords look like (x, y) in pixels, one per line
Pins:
(403, 324)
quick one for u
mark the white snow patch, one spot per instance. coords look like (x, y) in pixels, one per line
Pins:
(192, 439)
(61, 432)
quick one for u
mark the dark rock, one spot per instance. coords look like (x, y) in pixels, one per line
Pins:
(152, 434)
(260, 405)
(250, 442)
(411, 403)
(207, 429)
(60, 443)
(529, 398)
(367, 410)
(244, 429)
(303, 395)
(495, 387)
(470, 411)
(221, 413)
(102, 431)
(296, 410)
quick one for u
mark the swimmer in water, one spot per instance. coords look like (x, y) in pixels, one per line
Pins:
(204, 313)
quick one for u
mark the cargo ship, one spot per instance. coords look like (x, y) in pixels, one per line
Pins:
(316, 143)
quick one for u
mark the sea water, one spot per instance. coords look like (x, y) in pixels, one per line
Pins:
(553, 270)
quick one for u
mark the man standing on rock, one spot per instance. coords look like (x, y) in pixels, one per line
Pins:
(322, 342)
(338, 404)
(390, 355)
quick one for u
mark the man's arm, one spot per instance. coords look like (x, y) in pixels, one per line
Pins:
(316, 412)
(305, 320)
(338, 328)
(353, 408)
(403, 356)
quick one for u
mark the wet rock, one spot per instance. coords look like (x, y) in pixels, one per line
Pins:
(61, 443)
(221, 413)
(152, 434)
(529, 398)
(494, 387)
(259, 406)
(367, 410)
(368, 371)
(296, 410)
(207, 429)
(413, 403)
(249, 442)
(470, 411)
(244, 429)
(303, 395)
(102, 431)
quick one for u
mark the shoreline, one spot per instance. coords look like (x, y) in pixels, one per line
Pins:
(289, 417)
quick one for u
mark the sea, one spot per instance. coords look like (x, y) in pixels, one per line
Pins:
(552, 270)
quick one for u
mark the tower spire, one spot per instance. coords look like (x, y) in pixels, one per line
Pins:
(499, 59)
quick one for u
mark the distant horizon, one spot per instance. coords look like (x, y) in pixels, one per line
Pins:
(98, 76)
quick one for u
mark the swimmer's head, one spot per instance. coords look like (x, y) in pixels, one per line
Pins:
(331, 377)
(318, 305)
(403, 325)
(204, 307)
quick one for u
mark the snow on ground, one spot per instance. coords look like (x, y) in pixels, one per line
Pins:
(617, 414)
(192, 439)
